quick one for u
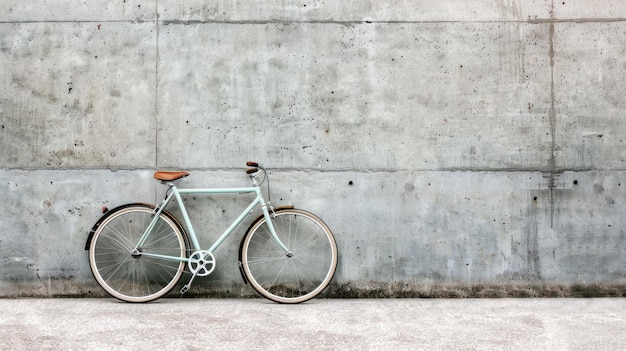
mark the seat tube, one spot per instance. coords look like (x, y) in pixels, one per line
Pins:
(183, 211)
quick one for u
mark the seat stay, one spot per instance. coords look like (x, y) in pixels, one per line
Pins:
(155, 218)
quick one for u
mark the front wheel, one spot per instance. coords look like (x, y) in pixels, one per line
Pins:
(295, 277)
(124, 270)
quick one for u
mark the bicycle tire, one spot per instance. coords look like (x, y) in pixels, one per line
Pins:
(136, 278)
(275, 275)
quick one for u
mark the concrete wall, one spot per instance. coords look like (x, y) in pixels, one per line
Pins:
(456, 148)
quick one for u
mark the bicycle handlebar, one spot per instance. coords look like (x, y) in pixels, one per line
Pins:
(255, 168)
(257, 171)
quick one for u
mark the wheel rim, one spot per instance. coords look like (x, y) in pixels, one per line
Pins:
(290, 279)
(130, 276)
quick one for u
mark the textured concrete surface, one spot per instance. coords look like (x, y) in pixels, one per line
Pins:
(455, 148)
(321, 324)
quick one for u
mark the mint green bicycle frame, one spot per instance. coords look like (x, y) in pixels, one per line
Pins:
(176, 193)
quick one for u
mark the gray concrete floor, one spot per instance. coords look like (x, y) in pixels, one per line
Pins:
(320, 324)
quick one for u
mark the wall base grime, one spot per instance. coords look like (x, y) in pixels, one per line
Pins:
(373, 290)
(404, 290)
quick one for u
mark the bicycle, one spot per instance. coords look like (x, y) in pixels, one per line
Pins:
(138, 252)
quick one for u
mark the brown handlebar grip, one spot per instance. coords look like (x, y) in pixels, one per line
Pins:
(252, 164)
(252, 170)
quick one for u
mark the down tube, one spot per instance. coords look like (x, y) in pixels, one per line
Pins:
(232, 227)
(237, 221)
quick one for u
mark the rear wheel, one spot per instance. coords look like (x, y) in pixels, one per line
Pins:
(295, 277)
(131, 275)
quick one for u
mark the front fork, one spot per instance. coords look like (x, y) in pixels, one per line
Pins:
(266, 214)
(270, 225)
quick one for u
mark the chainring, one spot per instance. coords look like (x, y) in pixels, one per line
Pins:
(201, 263)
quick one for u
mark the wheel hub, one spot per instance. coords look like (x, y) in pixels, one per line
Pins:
(136, 253)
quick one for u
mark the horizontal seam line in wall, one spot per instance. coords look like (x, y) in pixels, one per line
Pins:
(529, 21)
(337, 170)
(261, 22)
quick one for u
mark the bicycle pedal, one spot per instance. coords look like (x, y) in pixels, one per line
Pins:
(184, 289)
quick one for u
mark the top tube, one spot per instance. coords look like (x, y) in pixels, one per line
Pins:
(216, 190)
